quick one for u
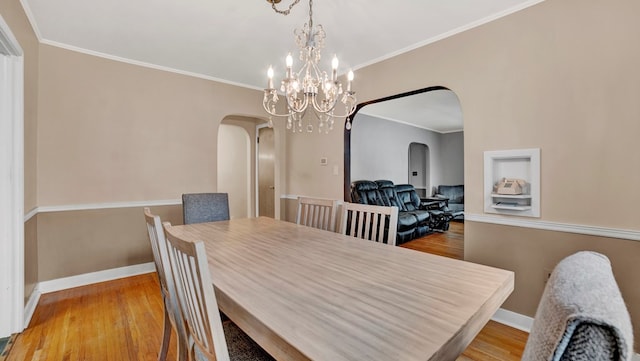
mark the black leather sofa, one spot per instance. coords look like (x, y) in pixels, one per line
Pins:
(413, 222)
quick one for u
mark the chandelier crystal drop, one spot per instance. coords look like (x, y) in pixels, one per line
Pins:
(309, 88)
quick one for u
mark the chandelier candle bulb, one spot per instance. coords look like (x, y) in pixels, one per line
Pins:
(289, 63)
(310, 88)
(270, 76)
(334, 66)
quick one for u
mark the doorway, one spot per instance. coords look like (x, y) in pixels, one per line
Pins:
(234, 168)
(12, 183)
(266, 172)
(419, 168)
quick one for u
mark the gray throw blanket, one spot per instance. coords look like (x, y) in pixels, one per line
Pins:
(581, 315)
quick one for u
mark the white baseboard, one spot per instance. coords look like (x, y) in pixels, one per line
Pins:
(512, 319)
(95, 277)
(636, 357)
(30, 307)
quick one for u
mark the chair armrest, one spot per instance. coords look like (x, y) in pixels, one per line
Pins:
(433, 203)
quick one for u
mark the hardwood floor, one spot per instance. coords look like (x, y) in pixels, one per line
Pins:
(115, 320)
(449, 244)
(496, 341)
(122, 319)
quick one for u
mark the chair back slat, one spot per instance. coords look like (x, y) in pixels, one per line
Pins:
(167, 284)
(317, 212)
(188, 260)
(374, 223)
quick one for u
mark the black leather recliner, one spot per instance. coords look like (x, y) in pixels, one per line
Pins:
(455, 196)
(408, 222)
(410, 202)
(412, 221)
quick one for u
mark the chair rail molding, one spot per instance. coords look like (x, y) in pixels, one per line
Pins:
(12, 185)
(627, 234)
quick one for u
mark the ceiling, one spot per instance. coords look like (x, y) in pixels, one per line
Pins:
(236, 41)
(436, 110)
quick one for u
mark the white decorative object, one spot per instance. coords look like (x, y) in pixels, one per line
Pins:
(512, 182)
(309, 87)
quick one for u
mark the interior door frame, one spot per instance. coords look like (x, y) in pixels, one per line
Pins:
(276, 207)
(12, 184)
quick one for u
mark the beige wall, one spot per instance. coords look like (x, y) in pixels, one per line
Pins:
(533, 253)
(30, 257)
(561, 76)
(76, 242)
(109, 130)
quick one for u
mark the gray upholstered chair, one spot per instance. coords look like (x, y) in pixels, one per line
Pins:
(581, 316)
(205, 207)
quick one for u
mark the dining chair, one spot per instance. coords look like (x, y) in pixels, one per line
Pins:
(196, 297)
(205, 207)
(317, 212)
(374, 223)
(172, 315)
(581, 315)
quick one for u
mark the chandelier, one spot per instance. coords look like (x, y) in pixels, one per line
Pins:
(309, 88)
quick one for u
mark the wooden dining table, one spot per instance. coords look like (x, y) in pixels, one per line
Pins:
(308, 294)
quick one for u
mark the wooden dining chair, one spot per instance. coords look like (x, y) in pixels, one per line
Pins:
(172, 315)
(196, 297)
(317, 212)
(205, 207)
(374, 223)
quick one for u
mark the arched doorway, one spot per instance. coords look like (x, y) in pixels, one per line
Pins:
(377, 145)
(419, 168)
(234, 168)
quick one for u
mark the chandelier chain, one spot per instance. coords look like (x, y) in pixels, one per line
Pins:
(283, 12)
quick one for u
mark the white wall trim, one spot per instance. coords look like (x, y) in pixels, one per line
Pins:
(30, 307)
(12, 184)
(554, 226)
(90, 206)
(95, 277)
(512, 319)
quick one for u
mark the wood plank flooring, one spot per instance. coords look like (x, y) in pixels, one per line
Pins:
(115, 320)
(496, 341)
(122, 319)
(449, 244)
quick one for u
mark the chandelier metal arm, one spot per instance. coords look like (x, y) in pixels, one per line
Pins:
(309, 85)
